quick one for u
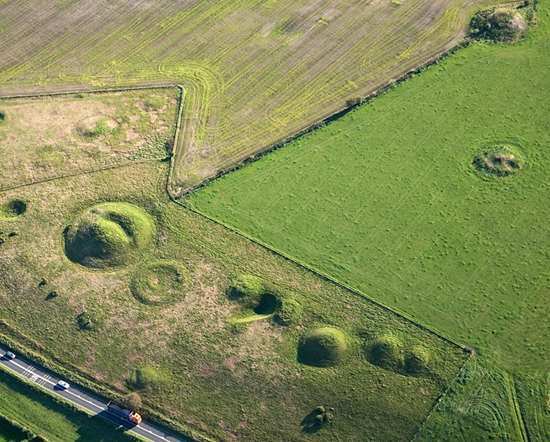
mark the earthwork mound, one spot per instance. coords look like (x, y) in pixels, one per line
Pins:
(262, 298)
(109, 234)
(417, 359)
(323, 347)
(499, 25)
(498, 161)
(160, 283)
(12, 209)
(387, 352)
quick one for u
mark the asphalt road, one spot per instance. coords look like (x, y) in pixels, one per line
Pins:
(82, 399)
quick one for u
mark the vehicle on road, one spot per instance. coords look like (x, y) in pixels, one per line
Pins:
(129, 415)
(62, 385)
(9, 355)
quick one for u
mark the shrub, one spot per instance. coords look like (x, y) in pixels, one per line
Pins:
(386, 351)
(2, 116)
(132, 402)
(12, 209)
(499, 25)
(85, 321)
(498, 161)
(323, 347)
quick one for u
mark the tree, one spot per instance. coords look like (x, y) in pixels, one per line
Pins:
(132, 402)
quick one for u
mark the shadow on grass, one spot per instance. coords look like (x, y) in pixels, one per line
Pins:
(90, 428)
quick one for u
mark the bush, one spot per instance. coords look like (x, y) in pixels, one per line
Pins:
(498, 161)
(12, 209)
(132, 402)
(499, 25)
(85, 321)
(2, 116)
(323, 347)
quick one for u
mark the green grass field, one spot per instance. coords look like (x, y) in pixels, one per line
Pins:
(386, 199)
(49, 418)
(255, 71)
(186, 352)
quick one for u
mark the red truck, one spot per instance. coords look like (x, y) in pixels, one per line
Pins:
(124, 413)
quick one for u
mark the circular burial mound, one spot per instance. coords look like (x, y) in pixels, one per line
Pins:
(322, 347)
(162, 282)
(108, 234)
(12, 209)
(386, 351)
(500, 25)
(417, 359)
(499, 161)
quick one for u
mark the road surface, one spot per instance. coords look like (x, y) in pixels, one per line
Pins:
(82, 399)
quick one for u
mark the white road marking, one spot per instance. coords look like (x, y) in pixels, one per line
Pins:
(36, 378)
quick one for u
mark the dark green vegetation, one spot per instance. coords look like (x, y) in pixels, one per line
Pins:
(11, 431)
(386, 199)
(323, 347)
(161, 282)
(12, 209)
(499, 161)
(386, 351)
(108, 234)
(499, 25)
(262, 300)
(184, 356)
(417, 360)
(49, 418)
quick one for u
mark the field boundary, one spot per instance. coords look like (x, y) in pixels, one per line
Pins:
(351, 104)
(10, 424)
(326, 277)
(121, 164)
(519, 421)
(27, 347)
(443, 394)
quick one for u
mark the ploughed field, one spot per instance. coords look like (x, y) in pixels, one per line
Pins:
(254, 71)
(432, 199)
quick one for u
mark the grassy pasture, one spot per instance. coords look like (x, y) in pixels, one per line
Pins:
(387, 200)
(47, 417)
(188, 359)
(254, 71)
(47, 137)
